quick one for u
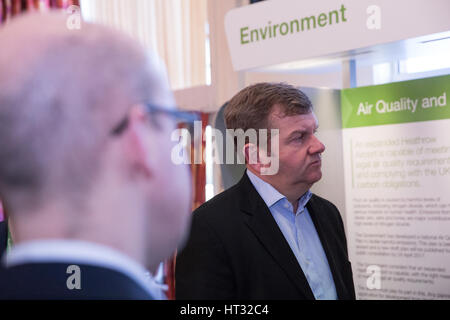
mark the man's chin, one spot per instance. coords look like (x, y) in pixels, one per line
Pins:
(315, 177)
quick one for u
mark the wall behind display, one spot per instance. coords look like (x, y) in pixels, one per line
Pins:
(327, 106)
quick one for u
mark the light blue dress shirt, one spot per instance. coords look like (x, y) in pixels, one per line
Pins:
(300, 233)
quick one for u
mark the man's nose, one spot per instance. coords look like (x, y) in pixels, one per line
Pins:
(316, 146)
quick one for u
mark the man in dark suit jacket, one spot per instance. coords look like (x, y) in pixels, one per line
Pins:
(269, 237)
(85, 163)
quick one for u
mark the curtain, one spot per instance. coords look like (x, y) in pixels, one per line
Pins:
(175, 29)
(10, 8)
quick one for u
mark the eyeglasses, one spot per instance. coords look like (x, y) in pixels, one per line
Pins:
(153, 111)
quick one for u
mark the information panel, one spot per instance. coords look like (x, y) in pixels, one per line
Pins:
(396, 141)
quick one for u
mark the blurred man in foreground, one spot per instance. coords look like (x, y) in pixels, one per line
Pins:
(85, 167)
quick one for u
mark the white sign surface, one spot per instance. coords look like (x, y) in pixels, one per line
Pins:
(273, 32)
(398, 209)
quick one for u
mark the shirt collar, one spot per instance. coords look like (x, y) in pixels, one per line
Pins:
(82, 252)
(270, 195)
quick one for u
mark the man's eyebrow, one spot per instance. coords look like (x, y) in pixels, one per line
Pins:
(299, 131)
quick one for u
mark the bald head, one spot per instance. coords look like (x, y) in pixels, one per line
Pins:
(62, 91)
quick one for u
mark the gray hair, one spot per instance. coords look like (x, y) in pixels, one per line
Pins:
(61, 92)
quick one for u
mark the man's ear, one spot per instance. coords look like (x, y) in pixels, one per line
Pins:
(256, 158)
(137, 147)
(251, 154)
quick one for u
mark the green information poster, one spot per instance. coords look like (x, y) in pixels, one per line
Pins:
(396, 141)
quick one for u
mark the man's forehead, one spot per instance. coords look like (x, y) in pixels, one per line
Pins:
(290, 122)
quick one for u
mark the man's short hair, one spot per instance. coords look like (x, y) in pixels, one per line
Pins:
(251, 107)
(61, 93)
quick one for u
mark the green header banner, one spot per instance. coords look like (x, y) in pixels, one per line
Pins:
(398, 102)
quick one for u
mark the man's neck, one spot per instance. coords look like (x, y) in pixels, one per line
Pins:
(292, 192)
(76, 226)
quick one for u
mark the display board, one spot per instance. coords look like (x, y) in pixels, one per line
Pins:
(396, 147)
(273, 32)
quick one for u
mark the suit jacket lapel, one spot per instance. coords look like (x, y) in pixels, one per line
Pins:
(263, 225)
(314, 209)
